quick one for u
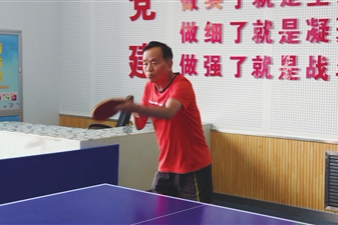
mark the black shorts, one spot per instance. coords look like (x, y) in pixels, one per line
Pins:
(195, 186)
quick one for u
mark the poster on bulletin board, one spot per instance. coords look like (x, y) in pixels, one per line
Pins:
(10, 76)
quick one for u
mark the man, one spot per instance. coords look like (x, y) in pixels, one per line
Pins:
(169, 99)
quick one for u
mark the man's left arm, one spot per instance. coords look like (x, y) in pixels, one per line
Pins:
(170, 109)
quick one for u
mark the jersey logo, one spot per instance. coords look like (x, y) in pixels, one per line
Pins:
(155, 103)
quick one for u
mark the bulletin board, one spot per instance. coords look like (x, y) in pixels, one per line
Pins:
(261, 67)
(10, 76)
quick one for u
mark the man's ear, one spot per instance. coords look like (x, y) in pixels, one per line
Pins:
(170, 63)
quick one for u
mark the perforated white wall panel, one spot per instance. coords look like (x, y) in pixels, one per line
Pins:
(95, 40)
(75, 54)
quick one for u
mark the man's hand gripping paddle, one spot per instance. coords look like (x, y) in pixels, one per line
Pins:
(106, 108)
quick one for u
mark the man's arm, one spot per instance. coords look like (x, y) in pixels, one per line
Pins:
(139, 121)
(171, 107)
(141, 113)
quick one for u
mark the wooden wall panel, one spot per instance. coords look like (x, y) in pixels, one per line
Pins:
(81, 122)
(290, 172)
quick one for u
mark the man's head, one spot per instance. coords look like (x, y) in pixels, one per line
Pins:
(157, 63)
(167, 54)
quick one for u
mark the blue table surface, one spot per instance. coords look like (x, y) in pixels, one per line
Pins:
(109, 204)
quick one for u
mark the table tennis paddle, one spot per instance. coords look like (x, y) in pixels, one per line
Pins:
(106, 109)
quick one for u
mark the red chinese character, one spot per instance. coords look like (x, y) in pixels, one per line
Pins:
(319, 30)
(213, 3)
(239, 4)
(262, 31)
(311, 70)
(239, 63)
(239, 28)
(188, 64)
(289, 3)
(213, 32)
(261, 67)
(212, 65)
(320, 65)
(289, 32)
(188, 32)
(141, 6)
(289, 71)
(337, 29)
(136, 64)
(290, 24)
(262, 3)
(317, 3)
(189, 4)
(289, 60)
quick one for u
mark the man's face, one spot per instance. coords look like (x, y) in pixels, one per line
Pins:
(155, 67)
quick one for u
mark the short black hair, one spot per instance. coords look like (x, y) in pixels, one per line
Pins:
(166, 50)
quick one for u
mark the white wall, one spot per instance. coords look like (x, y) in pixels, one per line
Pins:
(80, 49)
(39, 23)
(99, 34)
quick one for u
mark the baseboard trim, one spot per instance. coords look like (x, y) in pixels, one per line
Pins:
(274, 209)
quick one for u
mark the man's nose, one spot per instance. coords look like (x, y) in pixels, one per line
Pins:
(149, 67)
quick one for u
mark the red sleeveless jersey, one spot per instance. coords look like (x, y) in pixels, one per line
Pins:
(181, 140)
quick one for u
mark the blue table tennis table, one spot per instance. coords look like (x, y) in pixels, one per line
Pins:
(110, 204)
